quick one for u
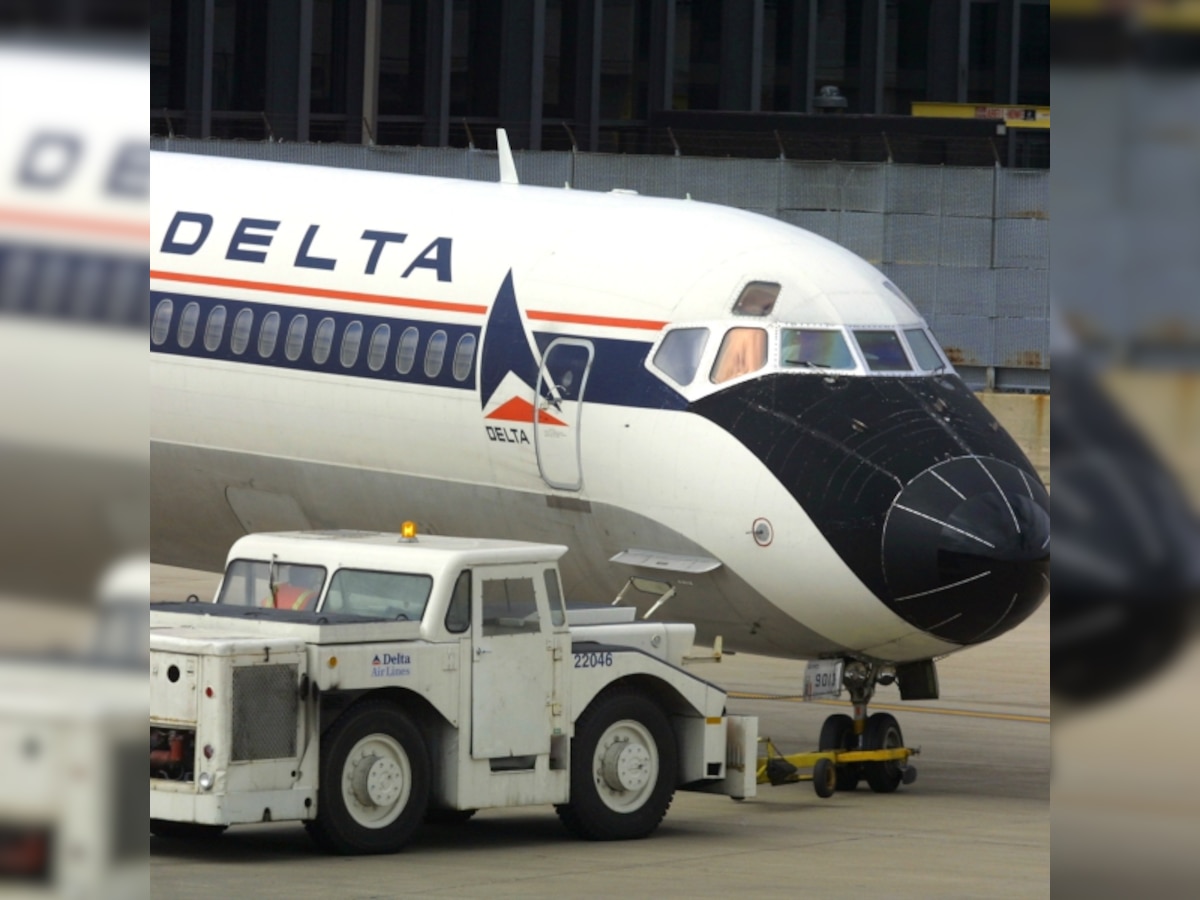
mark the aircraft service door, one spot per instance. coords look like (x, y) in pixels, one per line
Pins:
(558, 423)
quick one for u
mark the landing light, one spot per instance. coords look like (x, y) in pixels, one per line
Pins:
(408, 531)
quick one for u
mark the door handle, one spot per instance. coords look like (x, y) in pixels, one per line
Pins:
(479, 651)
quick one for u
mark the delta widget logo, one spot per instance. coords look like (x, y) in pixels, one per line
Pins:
(508, 372)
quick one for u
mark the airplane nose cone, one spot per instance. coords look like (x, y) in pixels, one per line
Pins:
(966, 549)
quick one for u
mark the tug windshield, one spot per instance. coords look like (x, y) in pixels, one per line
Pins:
(271, 585)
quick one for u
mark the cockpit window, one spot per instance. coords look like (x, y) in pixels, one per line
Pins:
(883, 351)
(923, 349)
(757, 299)
(679, 354)
(816, 348)
(744, 350)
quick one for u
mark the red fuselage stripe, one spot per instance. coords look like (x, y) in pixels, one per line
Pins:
(324, 293)
(412, 302)
(605, 321)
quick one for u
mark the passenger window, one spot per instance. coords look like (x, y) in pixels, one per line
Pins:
(295, 337)
(509, 606)
(743, 350)
(323, 341)
(678, 356)
(377, 352)
(464, 356)
(243, 324)
(922, 347)
(435, 354)
(814, 348)
(161, 326)
(558, 613)
(757, 299)
(214, 331)
(882, 351)
(406, 353)
(351, 343)
(268, 334)
(188, 320)
(458, 613)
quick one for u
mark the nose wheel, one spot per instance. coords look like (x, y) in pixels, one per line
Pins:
(851, 749)
(878, 733)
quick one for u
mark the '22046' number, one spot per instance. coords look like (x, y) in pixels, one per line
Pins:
(595, 660)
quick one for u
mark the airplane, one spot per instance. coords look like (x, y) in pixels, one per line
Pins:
(722, 415)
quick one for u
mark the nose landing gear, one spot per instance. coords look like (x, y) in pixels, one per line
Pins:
(877, 733)
(851, 749)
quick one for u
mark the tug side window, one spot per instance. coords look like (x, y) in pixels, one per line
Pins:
(558, 614)
(744, 350)
(458, 613)
(509, 606)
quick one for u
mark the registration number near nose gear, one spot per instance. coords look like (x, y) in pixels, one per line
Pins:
(822, 678)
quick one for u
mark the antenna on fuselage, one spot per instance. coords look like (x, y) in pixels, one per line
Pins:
(508, 168)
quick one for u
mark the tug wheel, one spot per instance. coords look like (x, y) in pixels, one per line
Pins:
(374, 781)
(883, 733)
(838, 734)
(623, 765)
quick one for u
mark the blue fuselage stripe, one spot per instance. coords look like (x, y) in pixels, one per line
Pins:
(618, 377)
(304, 361)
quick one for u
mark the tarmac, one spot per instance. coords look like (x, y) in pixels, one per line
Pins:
(975, 823)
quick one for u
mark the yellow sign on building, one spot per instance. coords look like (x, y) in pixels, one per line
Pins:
(1016, 116)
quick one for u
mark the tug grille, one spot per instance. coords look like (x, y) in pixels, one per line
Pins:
(265, 708)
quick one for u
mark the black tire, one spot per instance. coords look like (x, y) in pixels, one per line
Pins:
(824, 775)
(374, 781)
(837, 733)
(883, 733)
(448, 816)
(185, 831)
(623, 769)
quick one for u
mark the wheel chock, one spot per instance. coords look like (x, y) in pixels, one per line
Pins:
(780, 771)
